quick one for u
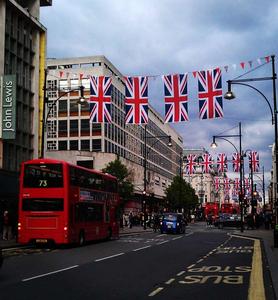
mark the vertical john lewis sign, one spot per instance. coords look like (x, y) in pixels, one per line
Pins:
(9, 107)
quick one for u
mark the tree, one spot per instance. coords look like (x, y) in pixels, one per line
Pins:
(119, 170)
(180, 195)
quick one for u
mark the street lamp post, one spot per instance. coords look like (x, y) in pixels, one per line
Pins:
(262, 184)
(145, 154)
(214, 145)
(230, 95)
(80, 101)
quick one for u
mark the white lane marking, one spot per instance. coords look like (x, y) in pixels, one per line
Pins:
(50, 273)
(180, 273)
(170, 281)
(190, 267)
(138, 249)
(156, 291)
(188, 234)
(107, 257)
(161, 235)
(162, 242)
(200, 260)
(176, 238)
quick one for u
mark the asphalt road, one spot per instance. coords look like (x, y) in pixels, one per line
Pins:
(201, 264)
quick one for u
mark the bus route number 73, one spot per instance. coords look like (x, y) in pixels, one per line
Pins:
(43, 183)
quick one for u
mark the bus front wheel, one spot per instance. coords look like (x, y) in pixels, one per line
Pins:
(81, 240)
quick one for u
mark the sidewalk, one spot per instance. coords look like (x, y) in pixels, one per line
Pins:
(123, 232)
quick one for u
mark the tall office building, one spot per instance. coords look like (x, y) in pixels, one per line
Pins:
(22, 57)
(71, 136)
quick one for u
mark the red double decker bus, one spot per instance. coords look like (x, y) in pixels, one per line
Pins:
(211, 208)
(230, 208)
(63, 203)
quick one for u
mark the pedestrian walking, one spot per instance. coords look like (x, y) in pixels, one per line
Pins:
(156, 222)
(130, 219)
(209, 220)
(7, 226)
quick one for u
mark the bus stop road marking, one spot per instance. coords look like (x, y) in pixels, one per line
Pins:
(50, 273)
(256, 289)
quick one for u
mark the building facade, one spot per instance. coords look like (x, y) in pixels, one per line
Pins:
(70, 135)
(22, 58)
(201, 182)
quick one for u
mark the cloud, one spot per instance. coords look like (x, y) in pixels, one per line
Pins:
(170, 36)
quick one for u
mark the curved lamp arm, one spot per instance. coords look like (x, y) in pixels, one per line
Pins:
(252, 87)
(81, 88)
(219, 137)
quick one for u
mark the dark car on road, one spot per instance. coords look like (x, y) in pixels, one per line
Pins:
(228, 220)
(172, 222)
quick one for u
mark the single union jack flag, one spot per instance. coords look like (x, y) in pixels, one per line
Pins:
(247, 186)
(100, 99)
(234, 192)
(206, 163)
(227, 184)
(136, 100)
(210, 94)
(222, 163)
(176, 97)
(236, 184)
(254, 162)
(216, 182)
(236, 162)
(191, 164)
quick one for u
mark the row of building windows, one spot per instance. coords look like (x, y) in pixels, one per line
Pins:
(81, 145)
(20, 35)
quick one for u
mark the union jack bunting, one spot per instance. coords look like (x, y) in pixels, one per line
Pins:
(237, 184)
(236, 162)
(100, 99)
(222, 163)
(175, 93)
(254, 161)
(191, 164)
(234, 192)
(136, 100)
(247, 185)
(206, 163)
(227, 184)
(216, 183)
(210, 94)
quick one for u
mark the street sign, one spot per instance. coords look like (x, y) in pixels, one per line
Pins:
(8, 122)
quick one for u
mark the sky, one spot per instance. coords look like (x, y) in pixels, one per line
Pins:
(160, 37)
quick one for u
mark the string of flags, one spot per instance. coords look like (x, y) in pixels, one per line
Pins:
(205, 163)
(175, 95)
(243, 65)
(231, 184)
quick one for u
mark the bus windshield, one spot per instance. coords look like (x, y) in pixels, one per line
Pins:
(43, 176)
